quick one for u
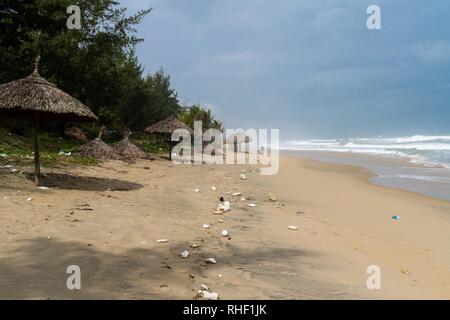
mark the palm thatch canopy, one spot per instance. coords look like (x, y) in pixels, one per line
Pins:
(167, 125)
(34, 96)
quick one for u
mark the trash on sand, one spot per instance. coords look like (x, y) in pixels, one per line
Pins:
(84, 207)
(225, 233)
(211, 260)
(206, 226)
(221, 220)
(226, 206)
(237, 194)
(195, 246)
(14, 170)
(184, 254)
(253, 205)
(43, 188)
(293, 228)
(204, 286)
(243, 199)
(67, 154)
(210, 295)
(396, 218)
(162, 240)
(272, 197)
(197, 190)
(243, 177)
(404, 270)
(213, 188)
(220, 276)
(30, 199)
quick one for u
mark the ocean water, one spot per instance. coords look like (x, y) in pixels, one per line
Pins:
(432, 151)
(417, 163)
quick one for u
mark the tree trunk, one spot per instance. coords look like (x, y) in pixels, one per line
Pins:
(37, 166)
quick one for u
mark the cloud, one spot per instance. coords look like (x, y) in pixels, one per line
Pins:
(438, 51)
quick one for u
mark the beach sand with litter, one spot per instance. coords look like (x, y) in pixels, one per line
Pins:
(107, 219)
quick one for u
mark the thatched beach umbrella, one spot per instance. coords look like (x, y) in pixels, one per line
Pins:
(34, 96)
(166, 127)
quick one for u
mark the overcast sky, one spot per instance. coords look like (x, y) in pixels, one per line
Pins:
(308, 67)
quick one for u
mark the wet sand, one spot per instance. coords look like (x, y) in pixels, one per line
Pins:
(107, 219)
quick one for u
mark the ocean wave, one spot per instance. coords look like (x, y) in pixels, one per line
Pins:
(427, 150)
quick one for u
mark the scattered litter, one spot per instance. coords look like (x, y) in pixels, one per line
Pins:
(197, 190)
(14, 170)
(243, 177)
(226, 206)
(184, 254)
(162, 241)
(204, 286)
(253, 205)
(6, 198)
(67, 154)
(237, 194)
(43, 188)
(84, 207)
(206, 226)
(213, 188)
(30, 199)
(143, 242)
(272, 197)
(396, 218)
(243, 199)
(225, 233)
(221, 220)
(195, 246)
(220, 276)
(404, 270)
(48, 237)
(293, 228)
(210, 295)
(211, 260)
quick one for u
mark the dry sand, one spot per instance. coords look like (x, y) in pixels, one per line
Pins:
(344, 225)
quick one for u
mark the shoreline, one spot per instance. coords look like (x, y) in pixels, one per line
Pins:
(397, 173)
(344, 225)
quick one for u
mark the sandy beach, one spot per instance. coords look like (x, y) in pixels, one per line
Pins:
(107, 219)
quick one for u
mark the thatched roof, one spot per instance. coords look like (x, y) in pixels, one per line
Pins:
(239, 137)
(128, 150)
(34, 93)
(99, 150)
(167, 125)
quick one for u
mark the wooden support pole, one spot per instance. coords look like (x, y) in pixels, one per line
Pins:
(37, 166)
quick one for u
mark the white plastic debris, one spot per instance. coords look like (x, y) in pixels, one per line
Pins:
(206, 226)
(253, 205)
(30, 199)
(237, 194)
(162, 240)
(210, 295)
(213, 188)
(221, 220)
(197, 190)
(211, 260)
(225, 233)
(184, 254)
(14, 170)
(292, 227)
(226, 206)
(243, 199)
(43, 188)
(243, 177)
(204, 286)
(220, 276)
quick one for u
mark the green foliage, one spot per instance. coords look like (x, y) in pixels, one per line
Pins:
(96, 64)
(199, 113)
